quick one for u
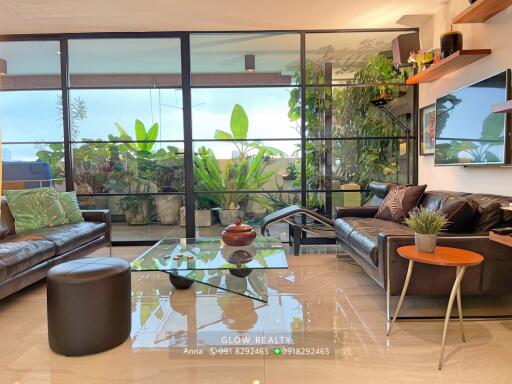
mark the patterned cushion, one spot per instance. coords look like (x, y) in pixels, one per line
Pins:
(70, 205)
(35, 208)
(399, 201)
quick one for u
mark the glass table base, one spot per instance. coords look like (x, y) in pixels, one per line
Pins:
(251, 283)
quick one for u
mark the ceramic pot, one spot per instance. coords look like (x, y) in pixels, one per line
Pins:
(168, 209)
(238, 234)
(451, 42)
(203, 217)
(228, 216)
(425, 243)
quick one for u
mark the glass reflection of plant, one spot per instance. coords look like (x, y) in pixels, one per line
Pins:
(243, 173)
(478, 151)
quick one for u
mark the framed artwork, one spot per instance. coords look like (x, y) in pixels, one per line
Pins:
(427, 130)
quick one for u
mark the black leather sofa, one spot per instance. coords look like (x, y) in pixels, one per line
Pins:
(373, 244)
(25, 258)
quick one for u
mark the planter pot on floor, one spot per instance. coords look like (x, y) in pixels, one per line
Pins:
(203, 217)
(168, 209)
(425, 243)
(139, 215)
(228, 216)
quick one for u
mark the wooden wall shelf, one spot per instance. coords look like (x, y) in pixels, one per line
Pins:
(505, 107)
(452, 63)
(481, 11)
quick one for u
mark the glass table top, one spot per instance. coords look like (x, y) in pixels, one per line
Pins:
(211, 254)
(240, 270)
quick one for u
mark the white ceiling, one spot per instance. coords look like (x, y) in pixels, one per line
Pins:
(53, 16)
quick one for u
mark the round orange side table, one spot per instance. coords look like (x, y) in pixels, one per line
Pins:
(445, 257)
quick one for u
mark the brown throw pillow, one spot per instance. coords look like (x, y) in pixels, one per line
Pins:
(460, 212)
(488, 216)
(399, 201)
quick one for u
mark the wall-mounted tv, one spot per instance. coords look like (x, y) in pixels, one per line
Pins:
(467, 131)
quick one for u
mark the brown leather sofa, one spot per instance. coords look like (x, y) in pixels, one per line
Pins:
(25, 258)
(373, 244)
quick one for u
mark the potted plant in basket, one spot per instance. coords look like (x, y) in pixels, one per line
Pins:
(426, 225)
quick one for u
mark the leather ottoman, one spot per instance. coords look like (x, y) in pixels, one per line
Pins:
(89, 305)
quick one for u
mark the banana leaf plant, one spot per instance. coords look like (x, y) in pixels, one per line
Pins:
(239, 127)
(244, 173)
(145, 139)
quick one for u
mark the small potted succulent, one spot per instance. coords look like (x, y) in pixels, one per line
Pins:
(426, 224)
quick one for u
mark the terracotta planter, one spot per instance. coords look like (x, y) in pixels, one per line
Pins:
(425, 243)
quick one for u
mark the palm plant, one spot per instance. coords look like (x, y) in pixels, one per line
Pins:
(240, 175)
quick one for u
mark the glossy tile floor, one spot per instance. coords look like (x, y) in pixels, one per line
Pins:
(320, 302)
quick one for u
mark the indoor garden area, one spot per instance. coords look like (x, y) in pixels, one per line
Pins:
(177, 134)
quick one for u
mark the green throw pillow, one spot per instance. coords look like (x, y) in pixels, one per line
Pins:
(35, 208)
(70, 204)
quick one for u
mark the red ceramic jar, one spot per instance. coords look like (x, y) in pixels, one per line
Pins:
(238, 234)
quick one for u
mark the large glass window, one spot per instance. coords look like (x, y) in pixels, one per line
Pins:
(31, 115)
(353, 95)
(246, 148)
(128, 150)
(266, 133)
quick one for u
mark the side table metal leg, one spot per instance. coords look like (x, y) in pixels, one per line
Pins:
(456, 285)
(402, 295)
(459, 310)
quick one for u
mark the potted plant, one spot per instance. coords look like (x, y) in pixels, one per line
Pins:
(237, 176)
(245, 172)
(203, 212)
(138, 207)
(170, 177)
(426, 225)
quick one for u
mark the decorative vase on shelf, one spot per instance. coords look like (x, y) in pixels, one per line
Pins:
(425, 243)
(451, 42)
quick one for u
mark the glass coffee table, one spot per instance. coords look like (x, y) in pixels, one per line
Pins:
(240, 270)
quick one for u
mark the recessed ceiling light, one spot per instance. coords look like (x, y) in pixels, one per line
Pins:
(250, 63)
(3, 67)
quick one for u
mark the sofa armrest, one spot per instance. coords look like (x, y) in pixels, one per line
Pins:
(488, 278)
(101, 216)
(356, 212)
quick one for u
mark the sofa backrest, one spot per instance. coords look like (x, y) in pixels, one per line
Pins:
(6, 220)
(484, 219)
(379, 191)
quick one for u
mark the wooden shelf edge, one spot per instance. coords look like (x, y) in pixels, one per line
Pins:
(505, 107)
(448, 65)
(481, 11)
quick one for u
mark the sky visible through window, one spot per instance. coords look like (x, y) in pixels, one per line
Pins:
(35, 116)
